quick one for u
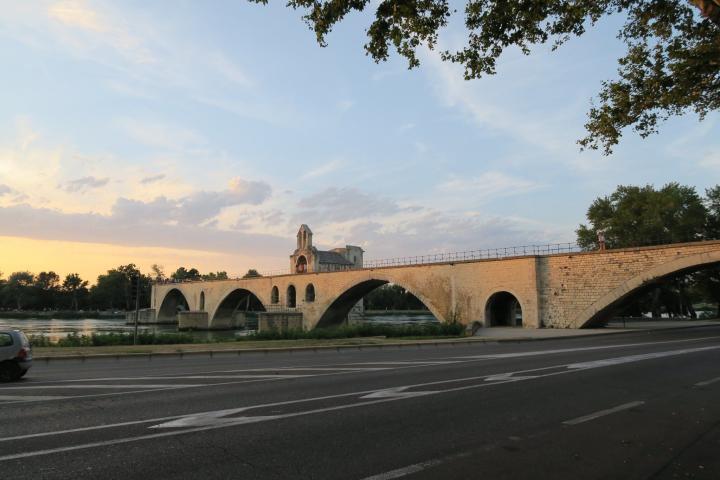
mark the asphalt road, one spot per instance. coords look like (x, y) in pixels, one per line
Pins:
(642, 405)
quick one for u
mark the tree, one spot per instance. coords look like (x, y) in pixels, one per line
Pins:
(392, 297)
(712, 204)
(215, 276)
(252, 273)
(635, 216)
(18, 288)
(672, 63)
(74, 286)
(118, 288)
(183, 274)
(47, 286)
(158, 272)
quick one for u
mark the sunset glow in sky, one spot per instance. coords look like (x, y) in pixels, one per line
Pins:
(174, 133)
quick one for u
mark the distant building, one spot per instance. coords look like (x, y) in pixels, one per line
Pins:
(308, 259)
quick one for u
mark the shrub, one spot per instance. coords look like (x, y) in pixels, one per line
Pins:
(363, 330)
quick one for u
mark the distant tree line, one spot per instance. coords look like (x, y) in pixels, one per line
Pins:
(115, 290)
(638, 216)
(392, 297)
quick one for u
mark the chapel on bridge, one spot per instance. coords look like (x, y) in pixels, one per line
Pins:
(307, 258)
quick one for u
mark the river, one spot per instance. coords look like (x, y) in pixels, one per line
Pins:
(54, 329)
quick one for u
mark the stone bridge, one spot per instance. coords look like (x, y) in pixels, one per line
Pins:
(570, 290)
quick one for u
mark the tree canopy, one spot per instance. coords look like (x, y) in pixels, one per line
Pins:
(634, 216)
(672, 63)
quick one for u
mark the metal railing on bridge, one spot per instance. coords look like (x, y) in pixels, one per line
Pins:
(468, 255)
(483, 254)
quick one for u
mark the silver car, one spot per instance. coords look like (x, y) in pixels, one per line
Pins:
(15, 355)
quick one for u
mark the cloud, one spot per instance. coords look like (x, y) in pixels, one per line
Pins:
(152, 178)
(77, 14)
(84, 184)
(159, 135)
(489, 185)
(710, 160)
(195, 209)
(498, 105)
(345, 105)
(107, 29)
(5, 190)
(343, 204)
(47, 224)
(435, 231)
(324, 169)
(225, 67)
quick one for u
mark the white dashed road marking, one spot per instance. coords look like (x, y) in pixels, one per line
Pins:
(708, 382)
(602, 413)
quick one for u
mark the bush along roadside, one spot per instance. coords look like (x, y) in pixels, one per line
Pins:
(353, 331)
(105, 339)
(363, 330)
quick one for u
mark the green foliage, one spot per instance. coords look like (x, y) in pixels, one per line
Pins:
(118, 289)
(363, 330)
(252, 273)
(215, 276)
(635, 216)
(671, 65)
(19, 288)
(392, 297)
(106, 339)
(183, 274)
(76, 289)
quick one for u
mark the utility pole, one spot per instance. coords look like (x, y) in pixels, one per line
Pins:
(137, 309)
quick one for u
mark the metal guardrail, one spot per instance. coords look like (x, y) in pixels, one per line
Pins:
(485, 254)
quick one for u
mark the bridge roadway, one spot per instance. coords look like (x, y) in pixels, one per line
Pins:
(642, 405)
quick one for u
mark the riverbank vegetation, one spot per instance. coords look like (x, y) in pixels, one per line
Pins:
(426, 330)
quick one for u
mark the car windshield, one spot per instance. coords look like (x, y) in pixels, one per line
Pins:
(24, 339)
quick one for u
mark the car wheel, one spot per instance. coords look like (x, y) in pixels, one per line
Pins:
(9, 371)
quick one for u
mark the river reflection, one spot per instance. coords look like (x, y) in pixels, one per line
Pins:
(55, 329)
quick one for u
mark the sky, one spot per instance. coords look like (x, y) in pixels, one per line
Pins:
(172, 133)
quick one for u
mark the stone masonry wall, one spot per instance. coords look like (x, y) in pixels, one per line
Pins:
(554, 291)
(570, 284)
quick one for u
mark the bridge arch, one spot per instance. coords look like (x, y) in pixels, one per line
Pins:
(598, 312)
(201, 303)
(502, 309)
(236, 301)
(173, 302)
(275, 295)
(339, 307)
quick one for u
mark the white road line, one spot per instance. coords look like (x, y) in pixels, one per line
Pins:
(179, 377)
(496, 356)
(602, 413)
(636, 358)
(707, 382)
(244, 420)
(418, 362)
(132, 392)
(101, 385)
(311, 369)
(26, 398)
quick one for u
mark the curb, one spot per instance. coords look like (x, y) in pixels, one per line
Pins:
(417, 344)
